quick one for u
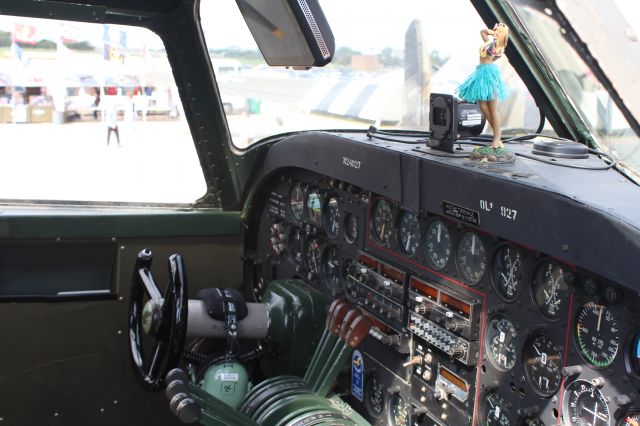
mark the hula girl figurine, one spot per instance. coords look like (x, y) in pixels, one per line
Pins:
(486, 87)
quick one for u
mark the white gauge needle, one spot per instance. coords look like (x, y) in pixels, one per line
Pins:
(600, 318)
(439, 231)
(408, 243)
(473, 244)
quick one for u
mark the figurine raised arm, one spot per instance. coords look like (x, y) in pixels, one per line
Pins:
(486, 87)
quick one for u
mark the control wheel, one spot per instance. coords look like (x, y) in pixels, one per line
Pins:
(164, 318)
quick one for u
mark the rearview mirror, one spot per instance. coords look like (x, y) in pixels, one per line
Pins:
(291, 33)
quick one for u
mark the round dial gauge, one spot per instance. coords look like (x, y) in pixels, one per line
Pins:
(296, 247)
(437, 244)
(495, 411)
(296, 201)
(314, 207)
(634, 354)
(409, 233)
(351, 228)
(533, 421)
(584, 405)
(543, 366)
(470, 257)
(597, 334)
(332, 216)
(549, 289)
(630, 419)
(374, 394)
(331, 268)
(398, 411)
(314, 258)
(507, 272)
(382, 222)
(500, 340)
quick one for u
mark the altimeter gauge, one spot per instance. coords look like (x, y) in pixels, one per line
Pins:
(382, 222)
(437, 244)
(506, 271)
(495, 411)
(333, 217)
(471, 257)
(543, 365)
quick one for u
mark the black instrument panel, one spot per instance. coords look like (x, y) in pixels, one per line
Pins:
(502, 331)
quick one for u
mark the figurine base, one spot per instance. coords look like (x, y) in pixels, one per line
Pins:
(492, 155)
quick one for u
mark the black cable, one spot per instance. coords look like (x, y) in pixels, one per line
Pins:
(574, 166)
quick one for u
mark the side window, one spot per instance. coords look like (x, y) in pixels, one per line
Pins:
(91, 113)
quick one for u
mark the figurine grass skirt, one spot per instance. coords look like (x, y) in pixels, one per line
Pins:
(485, 84)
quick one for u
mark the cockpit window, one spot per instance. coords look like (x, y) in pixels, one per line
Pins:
(388, 60)
(91, 113)
(591, 99)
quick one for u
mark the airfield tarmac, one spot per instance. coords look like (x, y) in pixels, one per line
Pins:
(157, 161)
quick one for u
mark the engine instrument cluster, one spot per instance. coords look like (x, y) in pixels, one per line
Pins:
(470, 329)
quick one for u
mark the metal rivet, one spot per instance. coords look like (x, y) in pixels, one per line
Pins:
(115, 402)
(119, 331)
(121, 247)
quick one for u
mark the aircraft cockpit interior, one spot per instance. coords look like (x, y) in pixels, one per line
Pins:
(294, 219)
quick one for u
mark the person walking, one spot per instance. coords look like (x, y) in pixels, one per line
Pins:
(112, 122)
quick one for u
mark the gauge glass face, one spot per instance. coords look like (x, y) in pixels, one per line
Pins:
(296, 247)
(507, 272)
(634, 354)
(437, 244)
(331, 268)
(550, 290)
(398, 411)
(495, 411)
(314, 258)
(543, 366)
(351, 228)
(374, 393)
(409, 230)
(332, 214)
(382, 223)
(314, 207)
(470, 257)
(597, 334)
(501, 341)
(583, 404)
(296, 201)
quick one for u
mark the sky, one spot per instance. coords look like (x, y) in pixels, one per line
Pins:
(364, 25)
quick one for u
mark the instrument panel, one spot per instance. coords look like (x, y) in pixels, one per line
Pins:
(470, 328)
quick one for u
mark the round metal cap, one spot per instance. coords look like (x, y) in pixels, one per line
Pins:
(558, 149)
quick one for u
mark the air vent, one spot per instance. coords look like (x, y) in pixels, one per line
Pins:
(560, 149)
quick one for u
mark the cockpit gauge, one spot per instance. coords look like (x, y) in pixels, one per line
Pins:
(296, 247)
(313, 255)
(333, 217)
(351, 228)
(634, 355)
(501, 343)
(437, 244)
(532, 421)
(331, 268)
(374, 393)
(632, 418)
(543, 366)
(399, 414)
(314, 208)
(408, 233)
(550, 290)
(495, 411)
(296, 201)
(471, 257)
(583, 405)
(382, 222)
(506, 272)
(597, 334)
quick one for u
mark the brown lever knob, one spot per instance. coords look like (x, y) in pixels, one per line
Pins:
(358, 331)
(334, 305)
(348, 320)
(338, 316)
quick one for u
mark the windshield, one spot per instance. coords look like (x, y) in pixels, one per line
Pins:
(592, 101)
(388, 60)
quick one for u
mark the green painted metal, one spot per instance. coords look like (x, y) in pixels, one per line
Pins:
(297, 313)
(290, 407)
(273, 400)
(228, 382)
(334, 363)
(320, 358)
(215, 412)
(347, 410)
(85, 223)
(254, 400)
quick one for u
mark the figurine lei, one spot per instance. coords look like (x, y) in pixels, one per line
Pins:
(486, 87)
